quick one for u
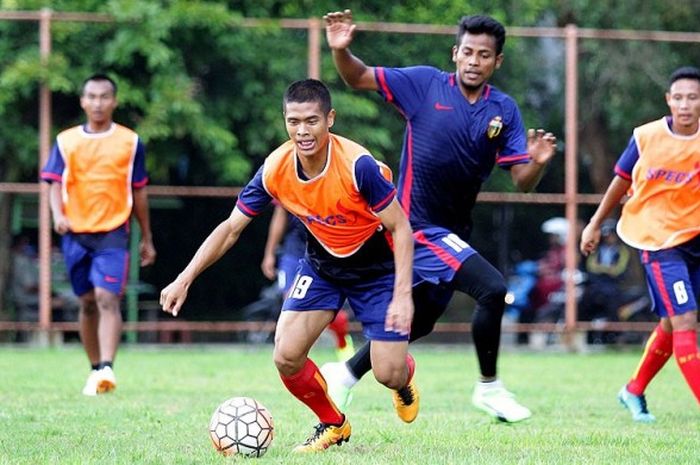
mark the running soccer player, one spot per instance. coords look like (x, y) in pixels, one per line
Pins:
(345, 201)
(660, 168)
(285, 246)
(97, 173)
(458, 128)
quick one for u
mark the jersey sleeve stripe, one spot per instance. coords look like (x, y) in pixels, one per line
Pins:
(624, 175)
(512, 158)
(141, 183)
(247, 211)
(381, 205)
(49, 177)
(381, 78)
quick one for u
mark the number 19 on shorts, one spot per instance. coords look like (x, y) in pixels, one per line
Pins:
(301, 286)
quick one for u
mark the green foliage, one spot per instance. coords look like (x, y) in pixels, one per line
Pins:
(161, 409)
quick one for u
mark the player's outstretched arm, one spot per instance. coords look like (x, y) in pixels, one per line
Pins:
(221, 239)
(340, 31)
(541, 146)
(400, 312)
(590, 237)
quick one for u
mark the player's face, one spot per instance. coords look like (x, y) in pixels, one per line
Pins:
(308, 127)
(683, 99)
(98, 101)
(476, 60)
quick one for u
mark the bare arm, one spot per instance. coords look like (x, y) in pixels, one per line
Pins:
(278, 226)
(541, 146)
(340, 30)
(60, 223)
(221, 239)
(146, 249)
(590, 237)
(400, 312)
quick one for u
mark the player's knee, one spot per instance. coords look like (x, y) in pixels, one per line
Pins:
(106, 301)
(391, 375)
(286, 362)
(493, 295)
(88, 305)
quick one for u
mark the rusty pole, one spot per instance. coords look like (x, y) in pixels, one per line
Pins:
(571, 178)
(44, 211)
(314, 67)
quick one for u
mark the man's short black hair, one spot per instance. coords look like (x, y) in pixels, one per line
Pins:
(99, 77)
(308, 90)
(481, 24)
(684, 72)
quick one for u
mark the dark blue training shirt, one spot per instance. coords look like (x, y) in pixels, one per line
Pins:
(448, 149)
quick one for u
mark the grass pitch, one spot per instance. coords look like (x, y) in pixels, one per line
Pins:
(159, 414)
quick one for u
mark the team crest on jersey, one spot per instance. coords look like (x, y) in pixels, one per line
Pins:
(495, 126)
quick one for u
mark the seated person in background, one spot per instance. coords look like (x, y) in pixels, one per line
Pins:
(606, 268)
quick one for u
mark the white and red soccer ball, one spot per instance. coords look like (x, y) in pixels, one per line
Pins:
(241, 425)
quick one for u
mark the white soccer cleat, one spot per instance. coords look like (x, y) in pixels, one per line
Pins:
(494, 399)
(106, 381)
(337, 378)
(90, 388)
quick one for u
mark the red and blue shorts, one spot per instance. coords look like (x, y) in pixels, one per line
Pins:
(673, 279)
(97, 260)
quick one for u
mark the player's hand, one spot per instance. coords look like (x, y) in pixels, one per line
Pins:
(173, 296)
(147, 252)
(399, 315)
(61, 224)
(268, 267)
(541, 145)
(339, 29)
(590, 238)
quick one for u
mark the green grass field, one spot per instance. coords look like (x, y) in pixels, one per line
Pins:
(159, 413)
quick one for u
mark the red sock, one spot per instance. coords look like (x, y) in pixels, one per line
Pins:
(411, 367)
(685, 347)
(309, 387)
(658, 350)
(339, 326)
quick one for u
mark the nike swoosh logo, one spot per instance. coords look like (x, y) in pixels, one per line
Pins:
(440, 107)
(111, 279)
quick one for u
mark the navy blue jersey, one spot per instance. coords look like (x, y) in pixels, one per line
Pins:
(294, 242)
(450, 145)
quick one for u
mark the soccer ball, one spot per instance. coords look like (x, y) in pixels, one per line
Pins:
(241, 425)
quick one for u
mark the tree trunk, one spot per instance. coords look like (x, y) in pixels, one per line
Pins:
(600, 160)
(5, 242)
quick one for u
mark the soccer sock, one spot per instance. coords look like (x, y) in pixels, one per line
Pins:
(339, 326)
(308, 386)
(104, 365)
(361, 362)
(411, 363)
(657, 351)
(95, 366)
(685, 347)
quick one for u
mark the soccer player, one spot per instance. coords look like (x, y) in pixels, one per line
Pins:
(343, 197)
(660, 169)
(458, 127)
(285, 246)
(97, 173)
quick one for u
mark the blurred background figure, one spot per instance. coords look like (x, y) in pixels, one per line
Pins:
(607, 297)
